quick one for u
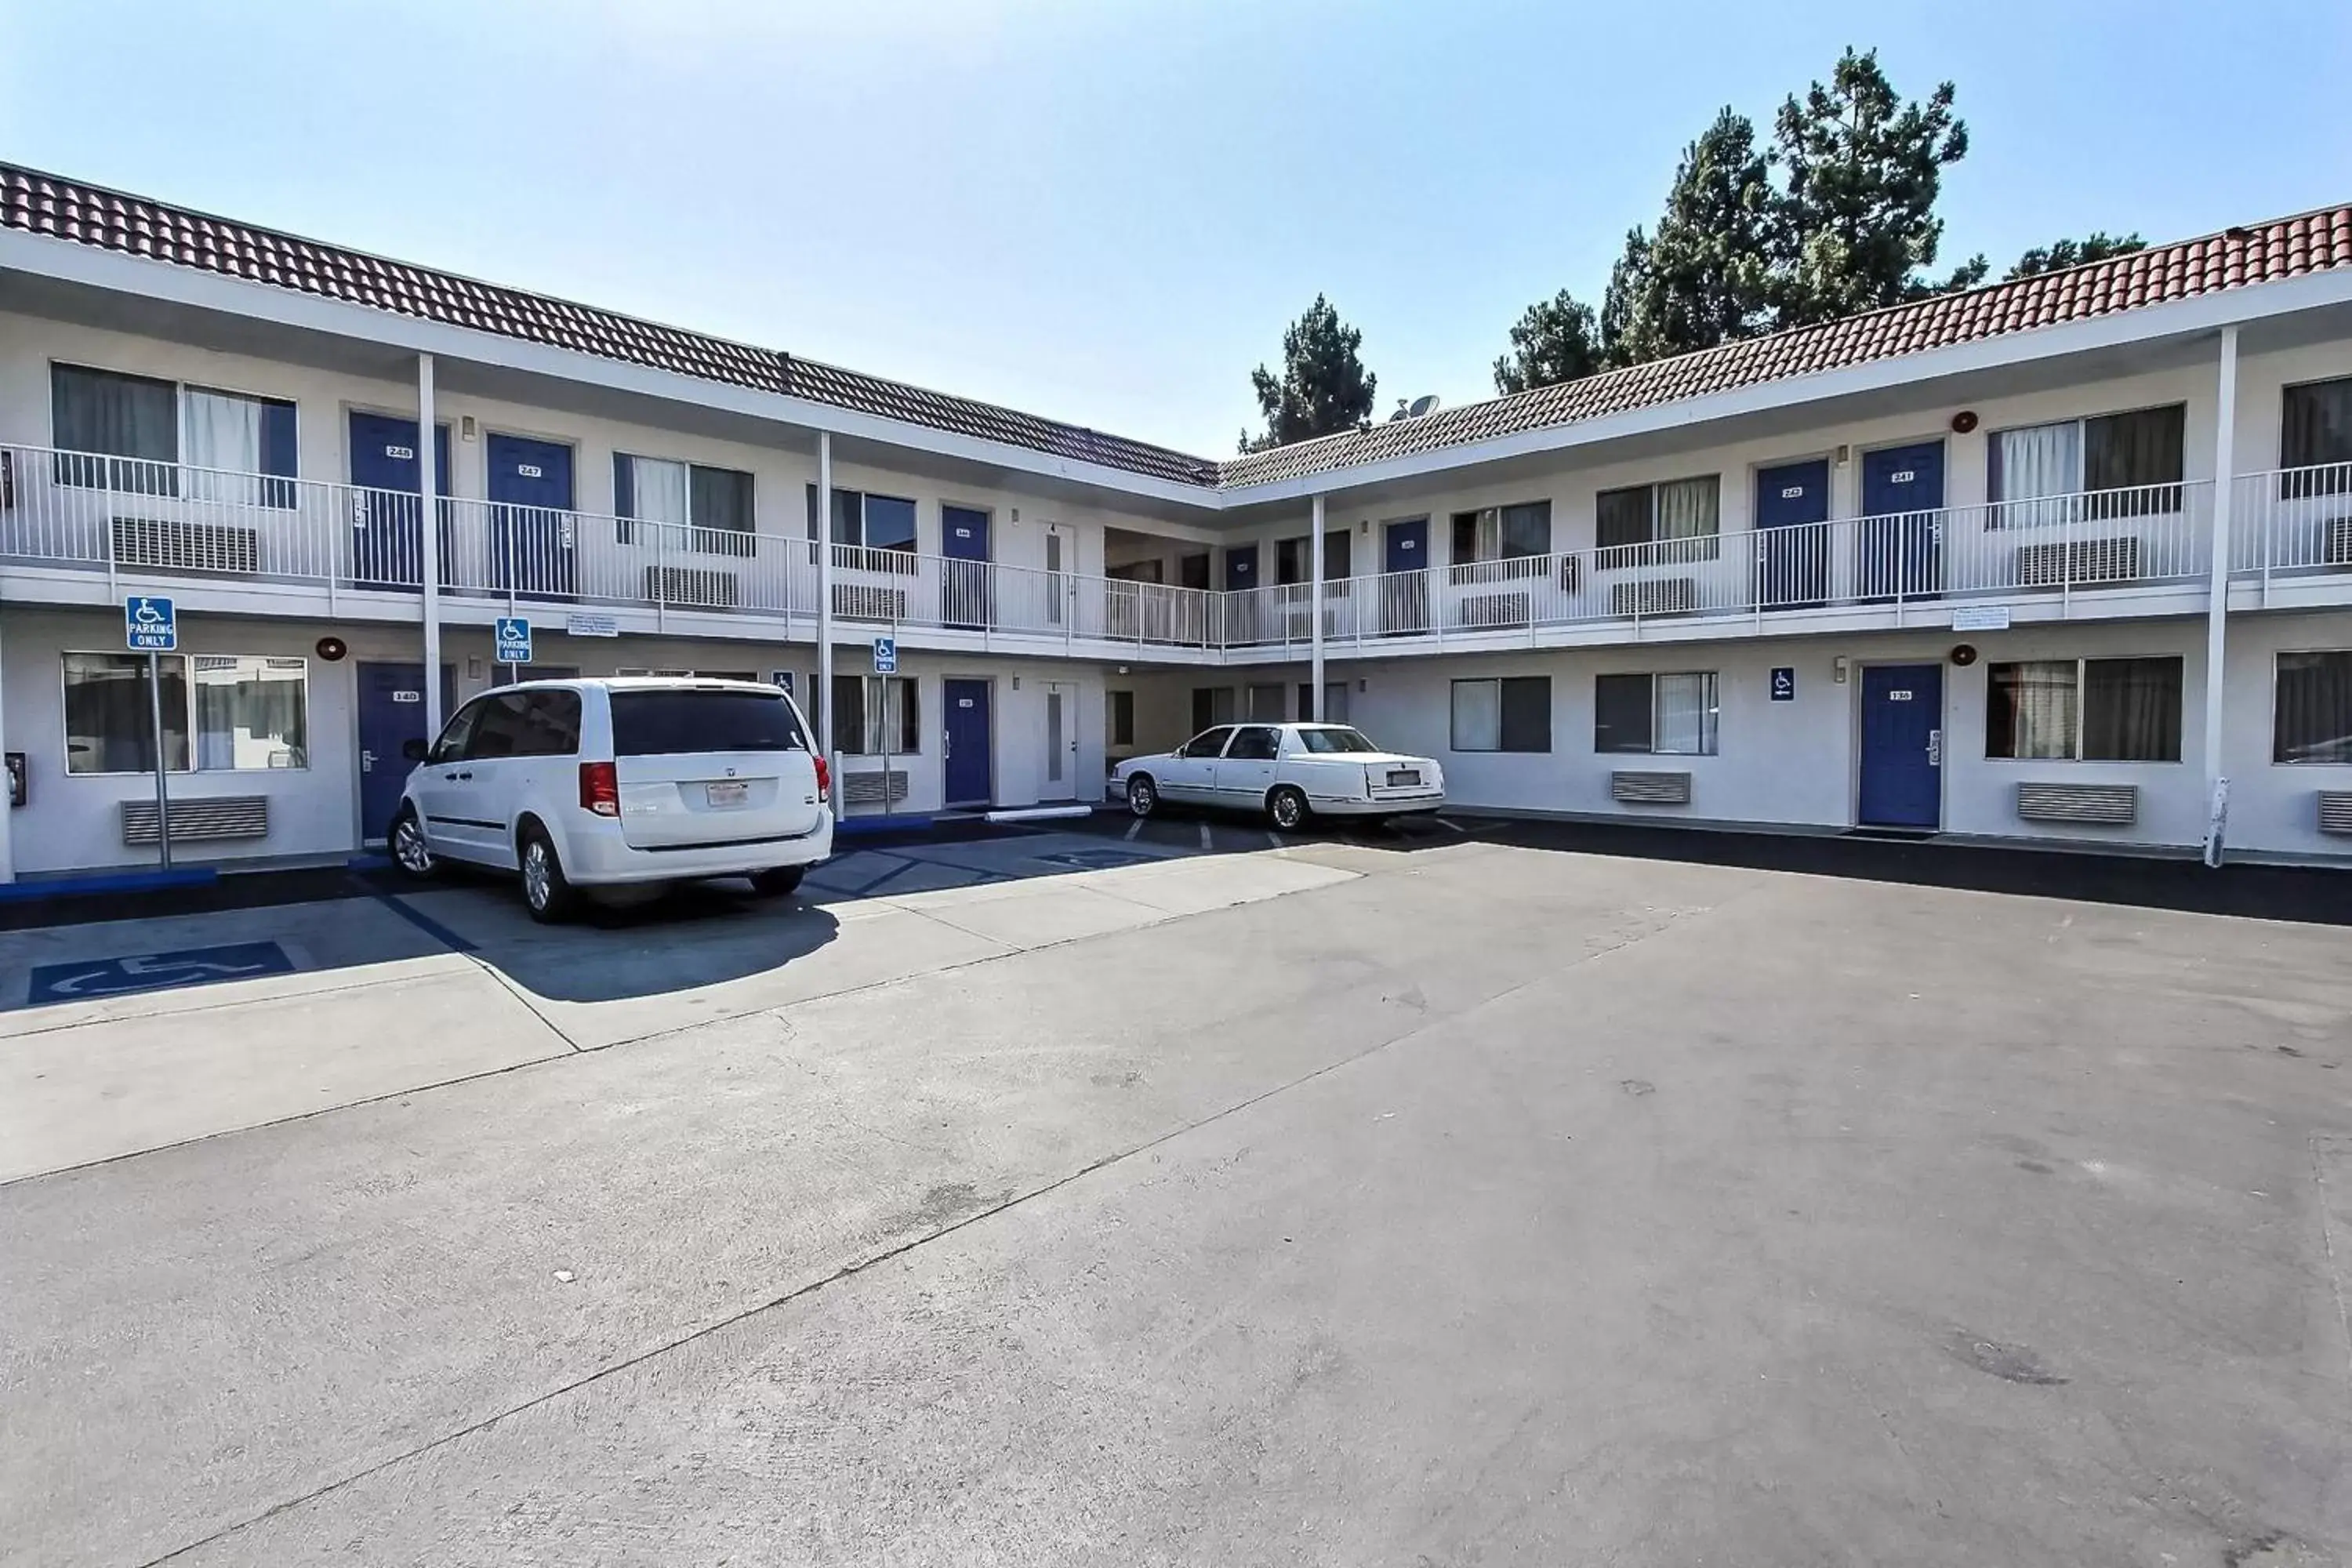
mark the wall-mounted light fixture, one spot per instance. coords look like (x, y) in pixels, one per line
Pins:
(466, 427)
(1838, 668)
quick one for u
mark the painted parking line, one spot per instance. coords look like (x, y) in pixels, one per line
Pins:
(1273, 838)
(422, 921)
(1206, 842)
(1450, 827)
(1135, 827)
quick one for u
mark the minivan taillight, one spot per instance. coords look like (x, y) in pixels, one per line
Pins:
(824, 778)
(600, 789)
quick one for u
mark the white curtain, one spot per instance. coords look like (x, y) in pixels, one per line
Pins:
(2043, 706)
(1478, 715)
(2039, 461)
(1690, 509)
(224, 434)
(1685, 715)
(660, 491)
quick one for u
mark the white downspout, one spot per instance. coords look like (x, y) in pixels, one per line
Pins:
(2216, 609)
(428, 531)
(1315, 603)
(823, 707)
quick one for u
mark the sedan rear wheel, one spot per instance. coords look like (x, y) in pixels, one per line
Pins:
(1288, 806)
(1143, 796)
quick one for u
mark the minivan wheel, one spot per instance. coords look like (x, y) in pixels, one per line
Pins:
(409, 850)
(778, 882)
(546, 891)
(1288, 806)
(1143, 796)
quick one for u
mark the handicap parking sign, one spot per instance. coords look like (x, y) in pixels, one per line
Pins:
(1784, 683)
(513, 637)
(149, 624)
(885, 655)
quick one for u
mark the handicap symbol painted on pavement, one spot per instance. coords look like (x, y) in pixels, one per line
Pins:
(156, 972)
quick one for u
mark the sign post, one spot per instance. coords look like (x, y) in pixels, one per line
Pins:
(152, 627)
(886, 664)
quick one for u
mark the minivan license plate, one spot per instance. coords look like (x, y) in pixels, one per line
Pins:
(1404, 776)
(732, 794)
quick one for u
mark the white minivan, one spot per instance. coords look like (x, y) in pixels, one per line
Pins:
(586, 783)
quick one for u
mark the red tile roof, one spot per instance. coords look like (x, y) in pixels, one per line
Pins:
(2288, 248)
(65, 209)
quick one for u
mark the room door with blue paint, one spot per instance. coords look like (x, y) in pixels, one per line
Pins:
(1902, 783)
(1244, 617)
(965, 597)
(532, 528)
(970, 778)
(1792, 536)
(387, 539)
(1404, 580)
(1899, 542)
(391, 715)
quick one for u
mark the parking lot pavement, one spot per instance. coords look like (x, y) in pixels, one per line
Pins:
(1466, 1202)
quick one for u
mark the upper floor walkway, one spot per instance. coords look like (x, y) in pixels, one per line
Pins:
(83, 527)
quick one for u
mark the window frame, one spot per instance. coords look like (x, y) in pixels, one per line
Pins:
(2006, 512)
(1119, 717)
(1661, 551)
(911, 716)
(1711, 739)
(2278, 761)
(2083, 710)
(2327, 476)
(190, 736)
(1502, 746)
(701, 538)
(80, 468)
(1505, 565)
(899, 560)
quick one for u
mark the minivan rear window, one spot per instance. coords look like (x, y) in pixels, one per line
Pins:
(669, 723)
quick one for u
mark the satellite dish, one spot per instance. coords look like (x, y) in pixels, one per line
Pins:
(1425, 404)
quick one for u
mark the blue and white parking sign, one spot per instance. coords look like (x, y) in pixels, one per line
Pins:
(513, 637)
(149, 624)
(885, 655)
(1784, 683)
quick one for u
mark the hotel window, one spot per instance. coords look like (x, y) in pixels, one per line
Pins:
(1512, 714)
(1119, 717)
(711, 508)
(2311, 718)
(1681, 520)
(2085, 709)
(1292, 557)
(1211, 706)
(1657, 715)
(135, 434)
(874, 714)
(2131, 462)
(249, 713)
(1502, 533)
(2316, 434)
(880, 529)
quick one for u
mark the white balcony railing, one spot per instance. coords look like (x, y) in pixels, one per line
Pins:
(125, 518)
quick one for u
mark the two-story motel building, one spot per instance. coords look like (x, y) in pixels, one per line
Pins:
(2048, 561)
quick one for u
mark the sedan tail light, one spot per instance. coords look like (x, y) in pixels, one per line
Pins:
(600, 789)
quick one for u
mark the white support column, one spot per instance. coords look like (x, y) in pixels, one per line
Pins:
(428, 530)
(821, 711)
(2216, 609)
(1315, 603)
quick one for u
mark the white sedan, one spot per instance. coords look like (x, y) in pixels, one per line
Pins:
(1290, 771)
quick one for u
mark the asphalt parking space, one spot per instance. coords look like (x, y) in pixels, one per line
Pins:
(1364, 1199)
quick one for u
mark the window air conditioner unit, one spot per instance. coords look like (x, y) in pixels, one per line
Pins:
(178, 546)
(2077, 560)
(2337, 548)
(866, 602)
(1488, 610)
(1654, 596)
(698, 586)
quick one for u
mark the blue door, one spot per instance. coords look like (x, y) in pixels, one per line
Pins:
(531, 525)
(1901, 535)
(969, 781)
(964, 594)
(1792, 536)
(387, 542)
(1240, 567)
(1404, 585)
(1902, 745)
(1245, 618)
(391, 713)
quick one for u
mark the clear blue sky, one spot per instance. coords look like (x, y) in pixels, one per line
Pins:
(1107, 210)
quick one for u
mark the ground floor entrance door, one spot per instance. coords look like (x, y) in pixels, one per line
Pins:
(1902, 746)
(391, 713)
(968, 780)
